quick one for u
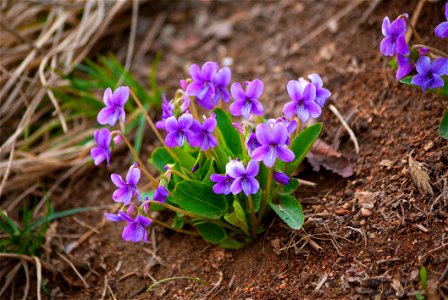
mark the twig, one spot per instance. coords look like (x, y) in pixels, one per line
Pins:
(39, 275)
(131, 44)
(8, 168)
(27, 280)
(352, 135)
(321, 282)
(414, 19)
(74, 269)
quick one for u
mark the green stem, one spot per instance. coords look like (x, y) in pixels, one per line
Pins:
(268, 191)
(163, 224)
(253, 217)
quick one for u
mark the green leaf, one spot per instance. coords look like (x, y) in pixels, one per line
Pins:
(238, 217)
(199, 198)
(61, 214)
(228, 133)
(178, 222)
(230, 243)
(160, 158)
(206, 178)
(289, 210)
(443, 127)
(211, 232)
(185, 159)
(407, 80)
(302, 144)
(424, 278)
(291, 187)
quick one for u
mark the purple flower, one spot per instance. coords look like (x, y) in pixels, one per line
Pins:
(126, 190)
(135, 231)
(114, 106)
(223, 183)
(321, 94)
(247, 101)
(221, 81)
(113, 217)
(302, 95)
(102, 151)
(272, 140)
(244, 177)
(202, 86)
(203, 134)
(441, 30)
(405, 66)
(160, 194)
(291, 126)
(281, 177)
(429, 74)
(167, 111)
(252, 143)
(394, 41)
(178, 130)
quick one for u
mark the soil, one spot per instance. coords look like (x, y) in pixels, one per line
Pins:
(366, 236)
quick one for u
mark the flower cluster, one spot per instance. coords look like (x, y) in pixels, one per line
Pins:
(429, 72)
(207, 162)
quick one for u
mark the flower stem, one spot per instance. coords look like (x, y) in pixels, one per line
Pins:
(163, 224)
(268, 191)
(437, 51)
(243, 148)
(141, 166)
(184, 177)
(190, 214)
(194, 110)
(153, 127)
(298, 127)
(252, 215)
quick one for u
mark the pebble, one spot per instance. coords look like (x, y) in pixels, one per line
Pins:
(341, 211)
(362, 222)
(365, 212)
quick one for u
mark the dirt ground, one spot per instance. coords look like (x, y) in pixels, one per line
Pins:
(365, 236)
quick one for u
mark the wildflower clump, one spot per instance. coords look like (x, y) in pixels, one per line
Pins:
(220, 173)
(418, 65)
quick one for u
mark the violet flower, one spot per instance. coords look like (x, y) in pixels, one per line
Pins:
(167, 111)
(178, 130)
(102, 151)
(247, 101)
(113, 217)
(161, 194)
(135, 231)
(221, 81)
(429, 74)
(114, 106)
(244, 177)
(202, 86)
(394, 41)
(441, 30)
(405, 66)
(321, 94)
(126, 190)
(273, 141)
(223, 183)
(203, 134)
(281, 177)
(302, 95)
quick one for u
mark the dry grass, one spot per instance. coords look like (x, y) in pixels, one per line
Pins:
(41, 42)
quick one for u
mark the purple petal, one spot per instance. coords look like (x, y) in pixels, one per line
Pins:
(194, 88)
(404, 67)
(270, 157)
(255, 186)
(235, 169)
(321, 96)
(419, 80)
(117, 180)
(185, 121)
(133, 176)
(257, 108)
(171, 124)
(402, 46)
(123, 194)
(263, 134)
(107, 97)
(103, 137)
(313, 109)
(423, 65)
(108, 115)
(237, 92)
(281, 177)
(285, 154)
(217, 177)
(209, 125)
(293, 90)
(302, 112)
(397, 27)
(125, 216)
(446, 10)
(143, 220)
(196, 74)
(290, 109)
(113, 217)
(170, 139)
(223, 77)
(309, 94)
(385, 26)
(134, 233)
(236, 107)
(255, 89)
(209, 70)
(246, 186)
(120, 96)
(235, 188)
(440, 66)
(98, 155)
(316, 80)
(260, 153)
(222, 187)
(388, 46)
(279, 134)
(436, 82)
(252, 168)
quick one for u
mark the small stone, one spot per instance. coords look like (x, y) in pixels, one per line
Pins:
(341, 211)
(365, 212)
(362, 222)
(404, 172)
(346, 205)
(386, 163)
